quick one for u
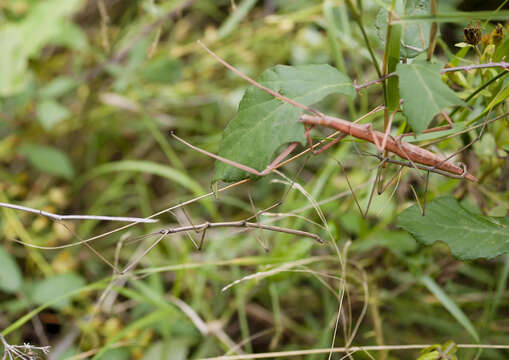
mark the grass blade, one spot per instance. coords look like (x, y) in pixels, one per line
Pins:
(450, 306)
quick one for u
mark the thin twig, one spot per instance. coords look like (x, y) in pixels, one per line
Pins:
(199, 227)
(502, 64)
(352, 349)
(164, 211)
(466, 130)
(205, 226)
(243, 224)
(58, 217)
(257, 84)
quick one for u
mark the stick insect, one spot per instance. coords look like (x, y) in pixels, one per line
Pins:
(412, 156)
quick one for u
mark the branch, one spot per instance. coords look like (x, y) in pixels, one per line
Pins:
(504, 65)
(58, 217)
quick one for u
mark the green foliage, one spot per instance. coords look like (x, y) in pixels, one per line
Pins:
(106, 88)
(264, 123)
(50, 288)
(162, 70)
(11, 279)
(46, 21)
(57, 87)
(502, 50)
(50, 113)
(440, 351)
(423, 92)
(415, 36)
(392, 52)
(117, 354)
(172, 350)
(469, 235)
(450, 305)
(49, 160)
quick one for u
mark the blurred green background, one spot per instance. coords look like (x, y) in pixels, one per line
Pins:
(89, 91)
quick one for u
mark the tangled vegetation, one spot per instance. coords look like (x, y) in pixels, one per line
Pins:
(254, 179)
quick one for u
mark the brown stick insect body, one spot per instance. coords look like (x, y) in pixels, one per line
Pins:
(404, 150)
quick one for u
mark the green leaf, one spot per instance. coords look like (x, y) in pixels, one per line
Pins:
(433, 355)
(469, 235)
(415, 36)
(50, 113)
(72, 36)
(49, 160)
(232, 22)
(58, 87)
(22, 40)
(438, 351)
(55, 286)
(423, 92)
(264, 123)
(174, 349)
(162, 70)
(502, 50)
(10, 274)
(450, 305)
(392, 49)
(400, 243)
(117, 354)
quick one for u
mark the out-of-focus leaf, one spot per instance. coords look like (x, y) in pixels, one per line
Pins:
(117, 354)
(423, 92)
(58, 87)
(162, 70)
(264, 123)
(71, 36)
(450, 305)
(501, 50)
(19, 41)
(149, 167)
(398, 242)
(415, 36)
(175, 349)
(486, 146)
(468, 235)
(232, 22)
(55, 286)
(50, 113)
(48, 159)
(10, 274)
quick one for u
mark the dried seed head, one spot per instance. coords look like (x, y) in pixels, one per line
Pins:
(472, 34)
